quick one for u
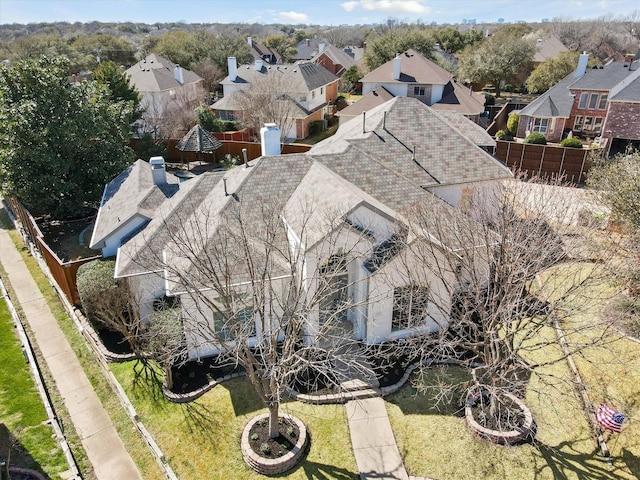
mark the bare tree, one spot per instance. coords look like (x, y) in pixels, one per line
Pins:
(518, 262)
(272, 297)
(271, 99)
(109, 302)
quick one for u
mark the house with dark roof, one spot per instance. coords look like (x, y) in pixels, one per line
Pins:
(343, 207)
(264, 53)
(335, 59)
(601, 102)
(306, 90)
(164, 85)
(410, 74)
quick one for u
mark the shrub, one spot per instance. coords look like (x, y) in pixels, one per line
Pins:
(512, 124)
(572, 142)
(265, 449)
(536, 138)
(255, 436)
(501, 135)
(316, 126)
(93, 280)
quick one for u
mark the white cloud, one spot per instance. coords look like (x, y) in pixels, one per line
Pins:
(295, 17)
(391, 6)
(348, 6)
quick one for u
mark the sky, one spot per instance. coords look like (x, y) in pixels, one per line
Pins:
(312, 12)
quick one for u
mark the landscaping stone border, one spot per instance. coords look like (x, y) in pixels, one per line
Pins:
(274, 466)
(195, 394)
(503, 438)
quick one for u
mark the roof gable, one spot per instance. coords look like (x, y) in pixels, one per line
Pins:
(155, 74)
(414, 68)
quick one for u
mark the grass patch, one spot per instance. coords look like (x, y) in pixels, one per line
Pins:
(33, 444)
(217, 419)
(438, 444)
(130, 436)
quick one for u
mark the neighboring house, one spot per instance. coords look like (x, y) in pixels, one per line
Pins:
(410, 74)
(264, 53)
(366, 176)
(599, 102)
(309, 89)
(309, 48)
(336, 60)
(164, 86)
(548, 47)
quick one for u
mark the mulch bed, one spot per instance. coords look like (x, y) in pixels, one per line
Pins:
(114, 341)
(509, 416)
(388, 366)
(194, 375)
(273, 447)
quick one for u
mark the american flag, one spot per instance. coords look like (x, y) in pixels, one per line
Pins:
(609, 418)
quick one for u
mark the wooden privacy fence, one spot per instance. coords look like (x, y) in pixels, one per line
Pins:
(572, 164)
(64, 273)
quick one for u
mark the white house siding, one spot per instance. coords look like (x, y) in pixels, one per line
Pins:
(397, 89)
(147, 287)
(436, 93)
(113, 241)
(404, 270)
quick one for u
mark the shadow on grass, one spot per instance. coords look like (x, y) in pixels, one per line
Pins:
(147, 382)
(321, 471)
(565, 462)
(12, 449)
(244, 398)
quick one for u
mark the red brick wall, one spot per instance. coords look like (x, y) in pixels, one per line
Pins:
(585, 112)
(623, 121)
(327, 63)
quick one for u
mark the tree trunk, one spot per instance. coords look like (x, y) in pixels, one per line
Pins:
(273, 421)
(168, 377)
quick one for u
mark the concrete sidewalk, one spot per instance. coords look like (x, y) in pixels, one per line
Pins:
(99, 437)
(374, 445)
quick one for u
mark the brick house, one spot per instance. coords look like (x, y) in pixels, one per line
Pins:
(310, 92)
(410, 74)
(602, 102)
(336, 60)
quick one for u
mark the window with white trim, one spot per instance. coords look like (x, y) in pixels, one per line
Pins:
(593, 100)
(233, 317)
(418, 91)
(584, 98)
(603, 101)
(597, 124)
(540, 125)
(410, 306)
(577, 125)
(588, 123)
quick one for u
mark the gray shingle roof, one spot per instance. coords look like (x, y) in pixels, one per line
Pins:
(414, 68)
(558, 100)
(155, 74)
(130, 194)
(337, 56)
(376, 167)
(301, 77)
(555, 102)
(198, 140)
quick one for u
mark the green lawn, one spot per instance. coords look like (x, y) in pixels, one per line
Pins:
(130, 436)
(204, 436)
(21, 411)
(438, 444)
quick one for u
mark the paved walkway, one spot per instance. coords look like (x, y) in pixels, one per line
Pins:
(99, 437)
(374, 445)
